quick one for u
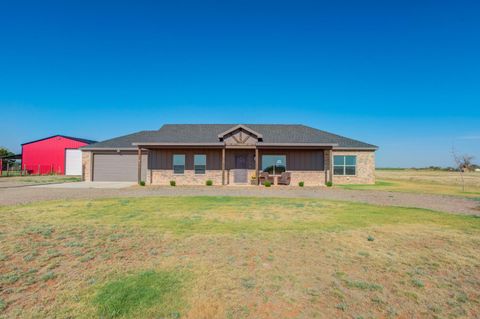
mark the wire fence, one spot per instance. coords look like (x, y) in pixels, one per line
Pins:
(39, 169)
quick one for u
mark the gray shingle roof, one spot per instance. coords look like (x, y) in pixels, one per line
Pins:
(208, 133)
(121, 142)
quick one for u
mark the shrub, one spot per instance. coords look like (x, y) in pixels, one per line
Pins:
(173, 183)
(418, 283)
(370, 238)
(248, 282)
(209, 182)
(49, 276)
(329, 184)
(301, 184)
(267, 184)
(341, 306)
(142, 183)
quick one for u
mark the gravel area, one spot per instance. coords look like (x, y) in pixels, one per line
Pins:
(458, 205)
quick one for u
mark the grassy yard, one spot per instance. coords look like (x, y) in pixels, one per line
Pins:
(36, 179)
(424, 181)
(224, 257)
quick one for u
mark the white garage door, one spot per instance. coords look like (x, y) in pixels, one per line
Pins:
(73, 162)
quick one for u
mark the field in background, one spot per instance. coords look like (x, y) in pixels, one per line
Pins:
(424, 181)
(224, 257)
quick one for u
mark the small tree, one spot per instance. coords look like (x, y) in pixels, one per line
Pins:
(3, 153)
(463, 163)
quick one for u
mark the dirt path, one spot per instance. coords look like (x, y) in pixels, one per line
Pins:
(458, 205)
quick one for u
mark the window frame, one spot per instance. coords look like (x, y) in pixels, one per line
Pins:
(195, 165)
(273, 155)
(344, 165)
(184, 163)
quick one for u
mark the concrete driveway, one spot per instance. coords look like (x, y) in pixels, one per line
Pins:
(85, 185)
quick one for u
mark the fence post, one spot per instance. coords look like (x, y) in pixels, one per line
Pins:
(1, 167)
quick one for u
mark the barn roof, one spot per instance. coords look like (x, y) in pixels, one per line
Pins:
(83, 140)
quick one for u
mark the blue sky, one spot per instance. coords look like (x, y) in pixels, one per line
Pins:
(403, 75)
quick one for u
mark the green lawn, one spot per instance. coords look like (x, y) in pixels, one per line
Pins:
(225, 257)
(424, 181)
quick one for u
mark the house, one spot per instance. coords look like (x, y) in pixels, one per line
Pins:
(57, 154)
(230, 154)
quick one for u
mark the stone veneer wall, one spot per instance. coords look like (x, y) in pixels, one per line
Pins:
(310, 178)
(163, 177)
(87, 166)
(365, 168)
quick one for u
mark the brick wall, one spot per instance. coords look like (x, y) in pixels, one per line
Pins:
(163, 177)
(365, 171)
(86, 166)
(310, 178)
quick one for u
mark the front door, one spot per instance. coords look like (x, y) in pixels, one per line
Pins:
(240, 174)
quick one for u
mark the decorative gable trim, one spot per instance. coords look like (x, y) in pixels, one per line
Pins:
(243, 127)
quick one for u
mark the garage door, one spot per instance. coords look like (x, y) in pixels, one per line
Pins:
(73, 162)
(118, 167)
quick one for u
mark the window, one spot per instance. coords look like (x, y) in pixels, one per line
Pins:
(344, 165)
(200, 163)
(274, 164)
(178, 163)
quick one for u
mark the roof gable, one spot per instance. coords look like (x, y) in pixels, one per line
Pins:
(240, 127)
(64, 136)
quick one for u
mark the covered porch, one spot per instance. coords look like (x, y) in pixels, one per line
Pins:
(226, 165)
(237, 157)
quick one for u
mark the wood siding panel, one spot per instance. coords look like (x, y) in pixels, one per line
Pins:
(299, 160)
(240, 137)
(230, 158)
(163, 159)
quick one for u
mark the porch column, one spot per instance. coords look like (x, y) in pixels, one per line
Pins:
(139, 165)
(256, 166)
(223, 166)
(331, 166)
(328, 159)
(90, 166)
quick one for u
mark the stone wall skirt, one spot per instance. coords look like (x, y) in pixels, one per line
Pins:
(163, 177)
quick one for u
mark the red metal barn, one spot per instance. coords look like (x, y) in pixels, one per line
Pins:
(56, 154)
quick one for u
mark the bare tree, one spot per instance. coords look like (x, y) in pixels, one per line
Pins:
(463, 163)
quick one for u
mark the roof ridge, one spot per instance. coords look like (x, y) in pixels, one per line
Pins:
(79, 139)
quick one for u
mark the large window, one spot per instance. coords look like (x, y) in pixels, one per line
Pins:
(344, 165)
(200, 163)
(274, 164)
(178, 163)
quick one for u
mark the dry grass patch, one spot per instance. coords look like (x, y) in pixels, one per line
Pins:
(236, 258)
(424, 181)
